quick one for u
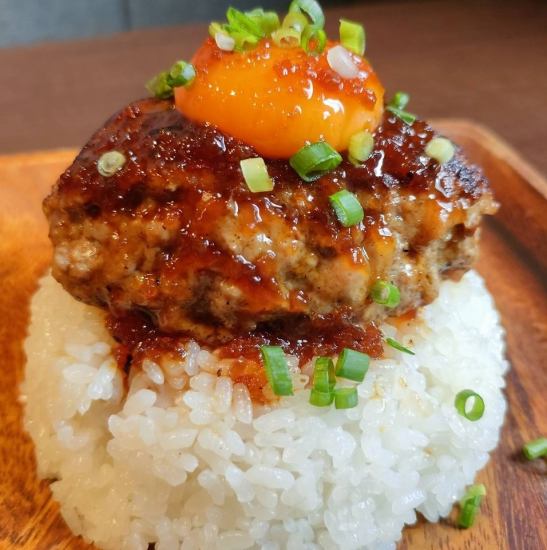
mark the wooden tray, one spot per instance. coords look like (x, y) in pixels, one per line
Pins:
(513, 261)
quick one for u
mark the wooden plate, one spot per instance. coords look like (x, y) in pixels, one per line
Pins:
(513, 261)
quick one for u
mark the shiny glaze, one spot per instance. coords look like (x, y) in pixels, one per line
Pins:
(185, 179)
(138, 339)
(278, 99)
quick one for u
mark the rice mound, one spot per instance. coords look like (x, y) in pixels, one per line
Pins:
(183, 459)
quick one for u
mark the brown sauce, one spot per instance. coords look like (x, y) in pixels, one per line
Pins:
(138, 338)
(182, 184)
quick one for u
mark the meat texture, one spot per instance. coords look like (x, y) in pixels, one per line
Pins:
(177, 234)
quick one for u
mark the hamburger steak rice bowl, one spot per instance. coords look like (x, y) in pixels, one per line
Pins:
(261, 328)
(204, 468)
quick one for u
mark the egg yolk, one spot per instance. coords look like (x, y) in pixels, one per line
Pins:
(278, 99)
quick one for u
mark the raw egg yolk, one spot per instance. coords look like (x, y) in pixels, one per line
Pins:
(278, 99)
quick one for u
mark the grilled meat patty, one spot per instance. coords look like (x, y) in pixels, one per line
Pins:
(176, 232)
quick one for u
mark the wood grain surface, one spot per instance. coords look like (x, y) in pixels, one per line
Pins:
(512, 261)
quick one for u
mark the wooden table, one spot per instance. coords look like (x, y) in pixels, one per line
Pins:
(480, 60)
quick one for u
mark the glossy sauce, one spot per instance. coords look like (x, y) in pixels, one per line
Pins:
(138, 338)
(183, 180)
(180, 197)
(278, 99)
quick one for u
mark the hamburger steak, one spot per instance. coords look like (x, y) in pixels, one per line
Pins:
(177, 234)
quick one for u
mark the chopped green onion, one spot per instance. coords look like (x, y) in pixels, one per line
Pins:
(159, 86)
(313, 39)
(352, 365)
(406, 117)
(244, 41)
(109, 163)
(295, 20)
(475, 490)
(468, 512)
(315, 160)
(225, 42)
(470, 505)
(400, 100)
(215, 27)
(352, 36)
(311, 8)
(268, 21)
(360, 146)
(385, 294)
(286, 37)
(277, 370)
(324, 378)
(240, 22)
(467, 515)
(321, 399)
(256, 175)
(477, 409)
(181, 74)
(396, 106)
(396, 345)
(345, 398)
(536, 448)
(347, 208)
(440, 149)
(244, 28)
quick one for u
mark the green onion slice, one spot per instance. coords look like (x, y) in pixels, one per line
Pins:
(311, 8)
(313, 39)
(477, 408)
(347, 208)
(396, 345)
(352, 36)
(295, 20)
(277, 370)
(536, 448)
(286, 37)
(396, 106)
(240, 22)
(256, 175)
(345, 398)
(181, 74)
(224, 40)
(110, 162)
(324, 378)
(400, 100)
(440, 149)
(216, 27)
(352, 365)
(405, 116)
(246, 30)
(360, 147)
(159, 86)
(268, 21)
(470, 505)
(468, 513)
(321, 399)
(475, 490)
(385, 294)
(315, 160)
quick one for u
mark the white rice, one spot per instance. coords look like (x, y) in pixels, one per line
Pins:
(185, 460)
